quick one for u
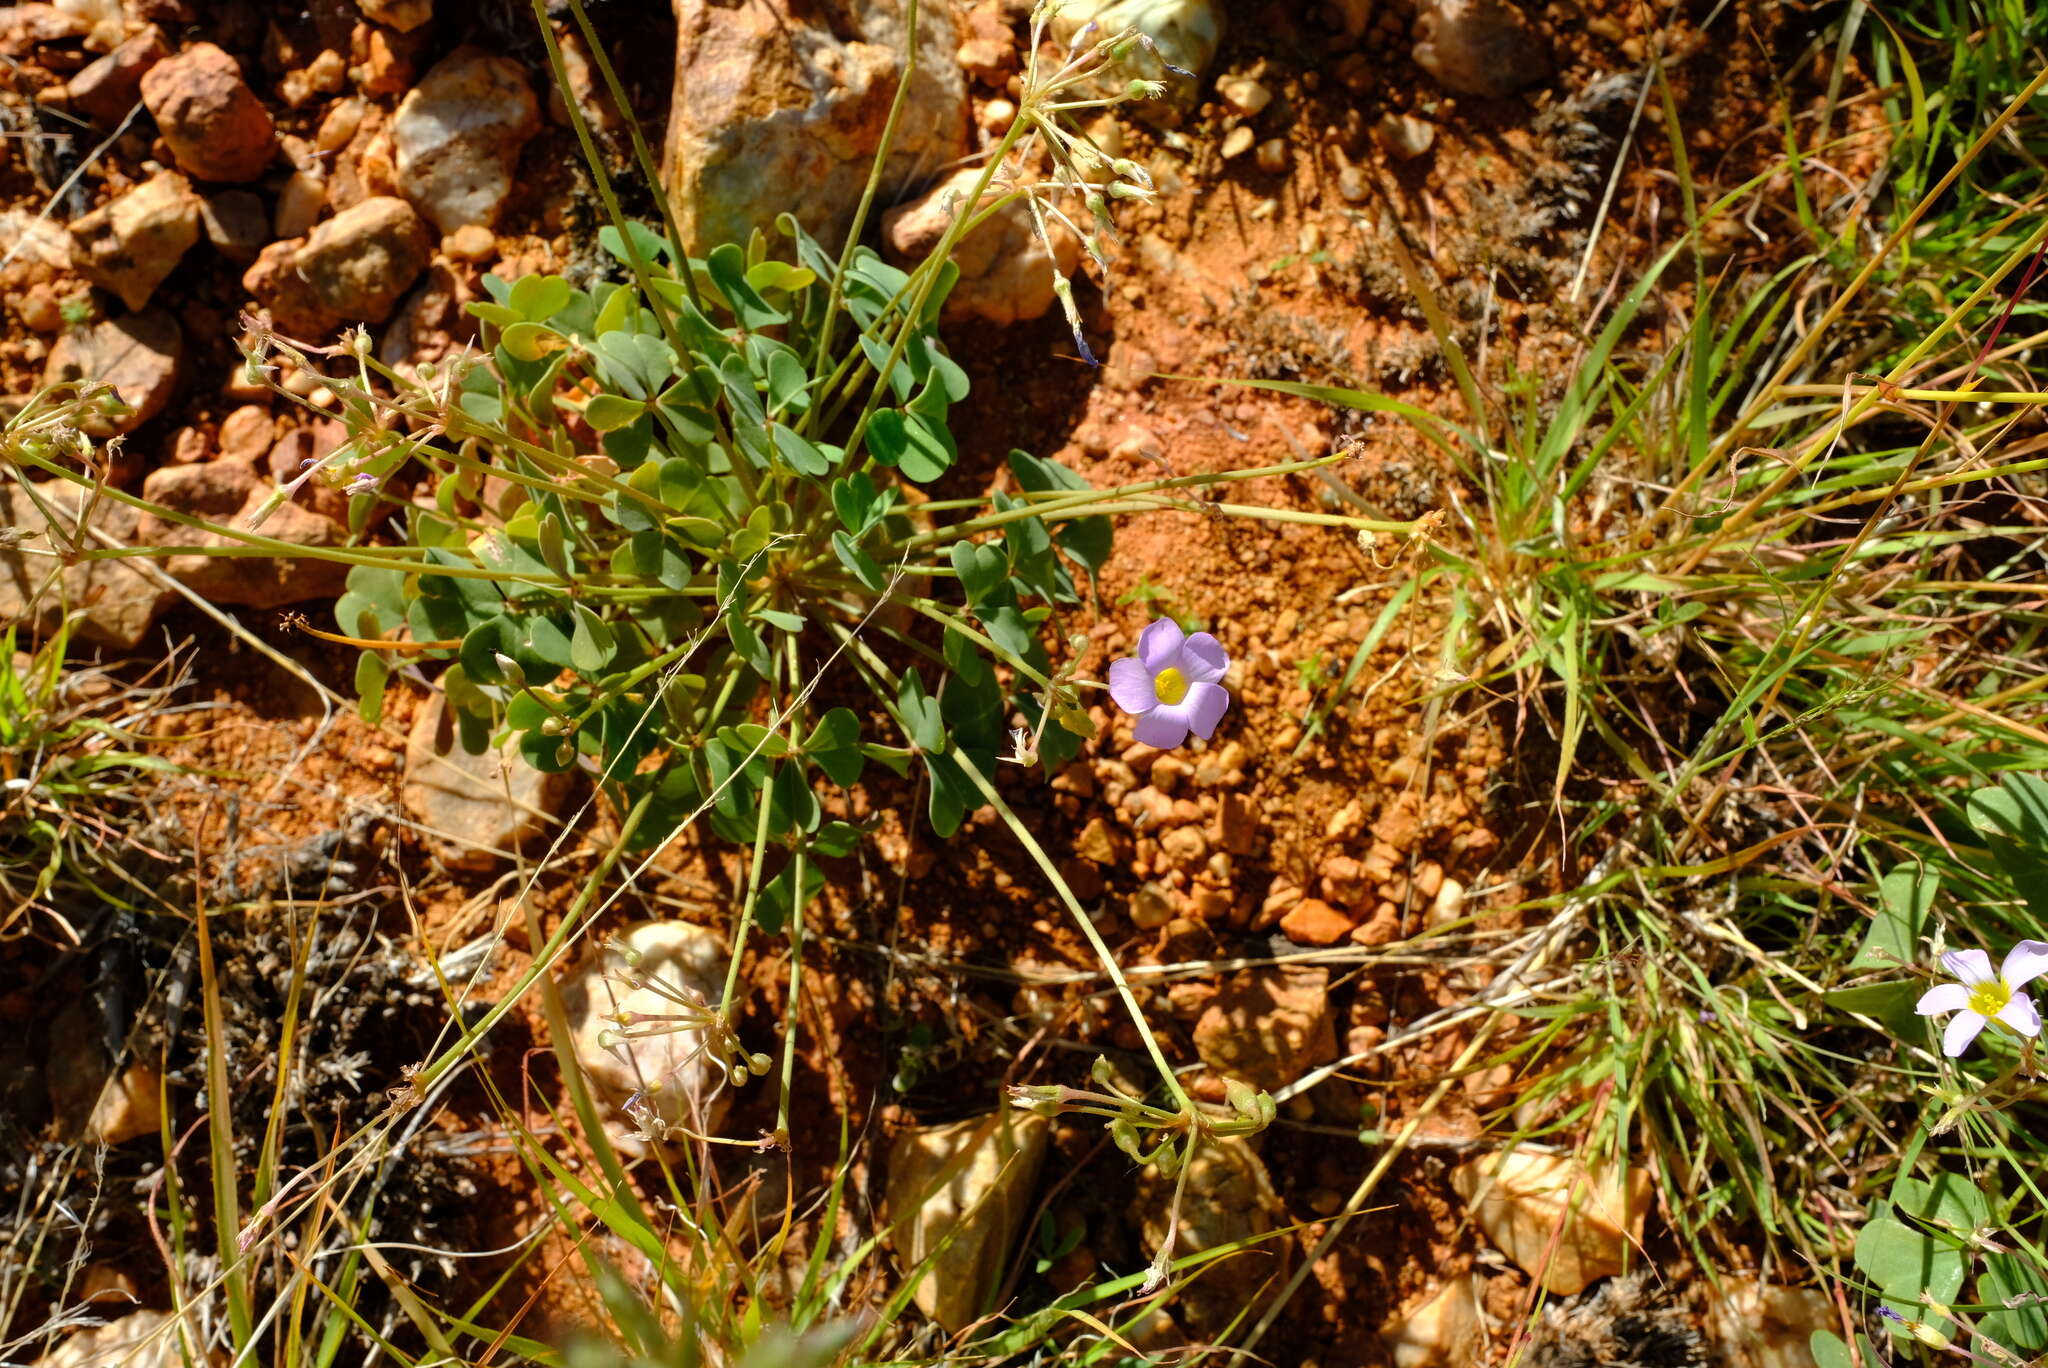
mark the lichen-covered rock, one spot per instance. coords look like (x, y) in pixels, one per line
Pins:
(1486, 48)
(139, 354)
(668, 1079)
(209, 117)
(1268, 1026)
(227, 493)
(1006, 274)
(769, 99)
(457, 137)
(971, 1180)
(473, 809)
(361, 262)
(274, 282)
(115, 599)
(130, 244)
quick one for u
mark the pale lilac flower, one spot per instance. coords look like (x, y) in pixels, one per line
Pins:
(1174, 684)
(1982, 997)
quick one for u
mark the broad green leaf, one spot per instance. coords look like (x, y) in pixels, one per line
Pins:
(983, 569)
(727, 265)
(1904, 897)
(858, 562)
(592, 644)
(921, 717)
(609, 412)
(539, 297)
(2013, 1284)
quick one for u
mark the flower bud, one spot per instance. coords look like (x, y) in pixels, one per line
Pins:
(509, 668)
(759, 1063)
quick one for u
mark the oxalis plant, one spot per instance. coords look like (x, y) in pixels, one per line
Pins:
(674, 515)
(1952, 1252)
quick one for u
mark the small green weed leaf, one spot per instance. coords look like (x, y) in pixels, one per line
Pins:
(525, 711)
(1904, 897)
(497, 315)
(858, 562)
(963, 658)
(652, 247)
(751, 738)
(855, 501)
(549, 642)
(610, 412)
(747, 642)
(727, 265)
(2013, 819)
(592, 644)
(372, 673)
(1947, 1199)
(834, 746)
(526, 341)
(788, 384)
(779, 902)
(836, 839)
(888, 436)
(539, 297)
(374, 603)
(930, 452)
(1088, 539)
(1008, 629)
(982, 569)
(803, 455)
(1905, 1262)
(2014, 1285)
(700, 532)
(921, 717)
(1830, 1352)
(792, 802)
(780, 275)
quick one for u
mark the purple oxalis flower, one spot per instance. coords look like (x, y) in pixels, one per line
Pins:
(1173, 685)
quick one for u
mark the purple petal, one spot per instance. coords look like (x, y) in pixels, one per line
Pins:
(1130, 684)
(1159, 645)
(1205, 706)
(1946, 997)
(1164, 727)
(1962, 1029)
(1203, 661)
(2024, 963)
(2021, 1015)
(1971, 966)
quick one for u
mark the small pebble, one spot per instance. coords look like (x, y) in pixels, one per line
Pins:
(1238, 141)
(471, 242)
(1273, 155)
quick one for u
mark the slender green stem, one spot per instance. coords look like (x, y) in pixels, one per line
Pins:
(754, 878)
(796, 982)
(836, 290)
(1183, 1102)
(1088, 929)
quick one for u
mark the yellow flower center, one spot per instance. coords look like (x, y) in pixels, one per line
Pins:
(1170, 685)
(1990, 997)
